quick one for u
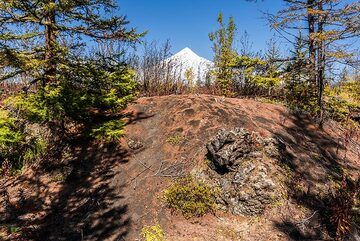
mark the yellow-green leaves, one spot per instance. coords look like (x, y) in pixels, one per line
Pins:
(225, 55)
(109, 131)
(191, 197)
(9, 134)
(153, 233)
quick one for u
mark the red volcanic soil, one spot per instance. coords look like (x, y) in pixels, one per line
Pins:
(111, 192)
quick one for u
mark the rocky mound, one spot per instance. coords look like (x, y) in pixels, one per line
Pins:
(111, 193)
(243, 167)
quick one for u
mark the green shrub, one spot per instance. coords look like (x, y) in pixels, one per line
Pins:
(175, 139)
(109, 131)
(153, 233)
(14, 229)
(191, 197)
(11, 140)
(77, 93)
(341, 101)
(18, 145)
(36, 147)
(10, 136)
(80, 96)
(30, 107)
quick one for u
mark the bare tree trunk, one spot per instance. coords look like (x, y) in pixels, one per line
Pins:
(312, 50)
(320, 62)
(50, 43)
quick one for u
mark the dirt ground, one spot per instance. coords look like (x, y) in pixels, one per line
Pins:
(110, 192)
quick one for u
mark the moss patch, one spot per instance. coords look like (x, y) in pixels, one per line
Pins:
(190, 197)
(153, 233)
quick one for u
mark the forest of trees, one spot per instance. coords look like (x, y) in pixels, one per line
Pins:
(63, 82)
(320, 32)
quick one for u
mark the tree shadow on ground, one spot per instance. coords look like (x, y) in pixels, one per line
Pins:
(83, 204)
(86, 207)
(313, 157)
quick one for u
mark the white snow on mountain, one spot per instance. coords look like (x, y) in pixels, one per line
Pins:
(185, 61)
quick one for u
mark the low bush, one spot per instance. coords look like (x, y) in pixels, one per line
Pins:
(109, 131)
(18, 145)
(344, 208)
(153, 233)
(190, 197)
(175, 139)
(341, 102)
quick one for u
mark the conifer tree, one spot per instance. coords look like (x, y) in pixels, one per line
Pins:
(300, 92)
(36, 34)
(48, 41)
(326, 25)
(225, 54)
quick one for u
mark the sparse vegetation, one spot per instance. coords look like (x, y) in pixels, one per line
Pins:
(175, 139)
(153, 233)
(109, 131)
(344, 208)
(190, 197)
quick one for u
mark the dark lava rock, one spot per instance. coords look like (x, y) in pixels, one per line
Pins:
(242, 166)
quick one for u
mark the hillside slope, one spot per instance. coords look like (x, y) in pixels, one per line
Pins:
(110, 193)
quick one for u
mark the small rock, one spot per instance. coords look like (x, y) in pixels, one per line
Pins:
(134, 144)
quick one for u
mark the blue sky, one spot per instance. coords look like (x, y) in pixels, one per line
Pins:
(187, 23)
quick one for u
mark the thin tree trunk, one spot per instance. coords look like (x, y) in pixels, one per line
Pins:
(312, 50)
(50, 44)
(320, 62)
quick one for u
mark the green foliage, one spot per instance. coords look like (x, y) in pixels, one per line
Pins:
(74, 86)
(11, 141)
(341, 101)
(60, 175)
(225, 55)
(36, 148)
(108, 131)
(191, 197)
(25, 49)
(31, 107)
(175, 139)
(91, 89)
(153, 233)
(14, 229)
(18, 145)
(350, 91)
(256, 73)
(91, 86)
(300, 92)
(10, 136)
(103, 82)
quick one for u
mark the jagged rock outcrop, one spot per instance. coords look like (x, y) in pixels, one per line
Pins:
(243, 167)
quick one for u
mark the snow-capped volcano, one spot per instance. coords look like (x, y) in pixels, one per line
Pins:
(186, 61)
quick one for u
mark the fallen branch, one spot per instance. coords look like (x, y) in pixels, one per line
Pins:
(306, 221)
(148, 168)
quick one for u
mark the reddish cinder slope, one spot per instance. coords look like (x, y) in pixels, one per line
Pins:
(315, 157)
(120, 190)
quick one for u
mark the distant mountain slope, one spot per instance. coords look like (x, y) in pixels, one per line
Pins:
(186, 60)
